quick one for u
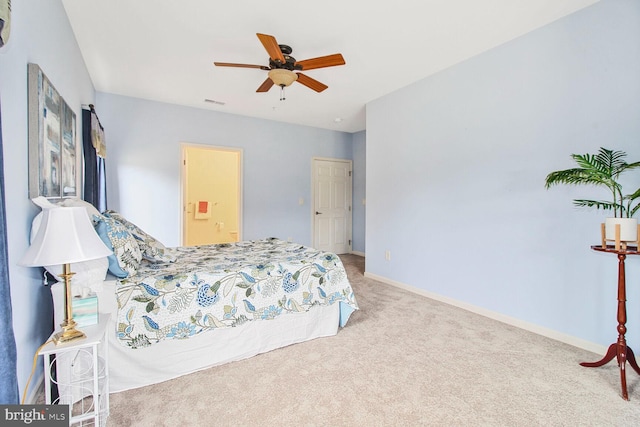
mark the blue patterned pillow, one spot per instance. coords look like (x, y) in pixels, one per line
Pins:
(125, 260)
(152, 249)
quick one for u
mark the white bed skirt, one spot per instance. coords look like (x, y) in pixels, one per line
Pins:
(133, 368)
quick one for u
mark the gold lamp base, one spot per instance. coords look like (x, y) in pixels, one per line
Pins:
(69, 331)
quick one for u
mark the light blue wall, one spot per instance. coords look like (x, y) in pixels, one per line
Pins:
(456, 166)
(359, 140)
(143, 165)
(41, 34)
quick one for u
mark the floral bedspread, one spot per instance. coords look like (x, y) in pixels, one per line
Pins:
(226, 285)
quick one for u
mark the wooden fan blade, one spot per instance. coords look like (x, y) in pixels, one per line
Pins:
(311, 83)
(229, 64)
(265, 86)
(271, 45)
(322, 62)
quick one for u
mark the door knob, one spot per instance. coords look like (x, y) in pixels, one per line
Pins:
(318, 213)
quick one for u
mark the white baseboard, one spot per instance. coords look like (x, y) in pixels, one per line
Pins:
(531, 327)
(357, 253)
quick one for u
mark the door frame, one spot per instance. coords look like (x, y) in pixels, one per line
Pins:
(349, 230)
(183, 182)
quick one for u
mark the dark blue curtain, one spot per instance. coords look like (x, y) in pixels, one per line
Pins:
(102, 185)
(9, 394)
(95, 181)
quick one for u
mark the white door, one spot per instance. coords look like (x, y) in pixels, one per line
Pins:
(332, 185)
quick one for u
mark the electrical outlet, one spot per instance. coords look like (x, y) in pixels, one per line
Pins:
(387, 255)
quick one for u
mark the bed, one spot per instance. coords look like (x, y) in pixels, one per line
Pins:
(185, 309)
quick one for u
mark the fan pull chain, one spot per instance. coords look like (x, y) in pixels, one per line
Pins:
(282, 98)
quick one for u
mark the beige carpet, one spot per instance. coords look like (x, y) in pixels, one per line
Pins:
(401, 360)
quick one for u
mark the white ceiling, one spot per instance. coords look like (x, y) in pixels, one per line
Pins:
(163, 50)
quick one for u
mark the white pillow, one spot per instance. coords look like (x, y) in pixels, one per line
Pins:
(87, 273)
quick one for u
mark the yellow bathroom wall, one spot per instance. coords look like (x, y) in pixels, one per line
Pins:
(211, 175)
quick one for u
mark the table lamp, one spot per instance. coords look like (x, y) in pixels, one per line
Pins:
(65, 236)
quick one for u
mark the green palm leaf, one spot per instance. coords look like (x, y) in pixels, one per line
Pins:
(602, 169)
(631, 210)
(598, 204)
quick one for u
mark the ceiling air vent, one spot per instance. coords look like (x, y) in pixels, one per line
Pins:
(213, 101)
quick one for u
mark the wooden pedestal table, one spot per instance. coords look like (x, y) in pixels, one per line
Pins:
(619, 349)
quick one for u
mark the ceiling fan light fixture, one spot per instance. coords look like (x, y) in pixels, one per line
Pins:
(282, 77)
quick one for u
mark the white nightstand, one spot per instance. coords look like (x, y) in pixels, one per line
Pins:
(80, 370)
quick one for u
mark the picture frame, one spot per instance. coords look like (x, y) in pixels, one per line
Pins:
(53, 149)
(69, 158)
(5, 22)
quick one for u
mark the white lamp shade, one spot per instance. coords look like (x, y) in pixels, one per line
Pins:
(65, 236)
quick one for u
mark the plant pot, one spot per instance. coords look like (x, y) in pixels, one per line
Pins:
(628, 229)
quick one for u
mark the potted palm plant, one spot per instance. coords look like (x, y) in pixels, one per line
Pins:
(604, 169)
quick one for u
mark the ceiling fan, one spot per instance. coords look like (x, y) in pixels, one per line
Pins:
(282, 66)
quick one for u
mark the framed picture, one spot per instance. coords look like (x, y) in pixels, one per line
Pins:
(53, 150)
(5, 21)
(69, 150)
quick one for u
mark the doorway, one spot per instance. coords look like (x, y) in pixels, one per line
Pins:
(211, 195)
(332, 188)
